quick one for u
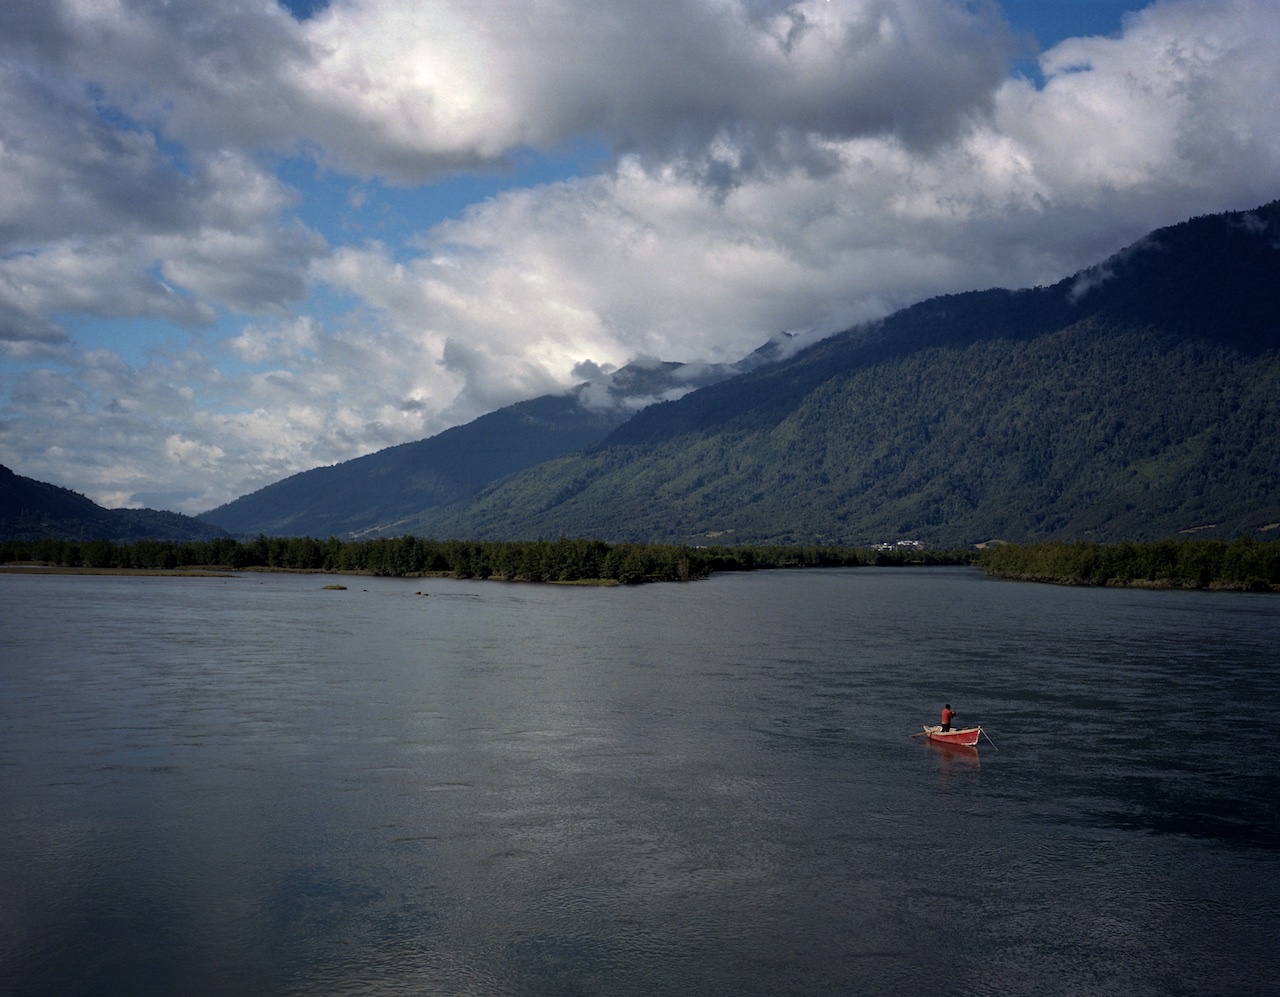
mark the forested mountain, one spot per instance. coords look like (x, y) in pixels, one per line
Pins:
(34, 510)
(1138, 399)
(379, 493)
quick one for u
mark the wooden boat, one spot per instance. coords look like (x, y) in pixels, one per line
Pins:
(967, 736)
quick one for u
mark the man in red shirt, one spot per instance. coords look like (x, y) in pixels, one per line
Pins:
(947, 715)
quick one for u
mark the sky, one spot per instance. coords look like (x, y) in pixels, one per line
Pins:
(241, 239)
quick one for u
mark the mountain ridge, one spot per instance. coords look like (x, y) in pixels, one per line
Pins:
(36, 510)
(378, 492)
(1135, 399)
(1132, 400)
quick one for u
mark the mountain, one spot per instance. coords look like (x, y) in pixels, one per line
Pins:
(379, 493)
(34, 510)
(1137, 399)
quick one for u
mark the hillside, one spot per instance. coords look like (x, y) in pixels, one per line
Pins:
(1135, 400)
(379, 493)
(34, 510)
(380, 490)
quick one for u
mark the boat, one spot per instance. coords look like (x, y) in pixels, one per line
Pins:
(967, 736)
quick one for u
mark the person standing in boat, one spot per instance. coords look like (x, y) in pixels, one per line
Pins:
(947, 716)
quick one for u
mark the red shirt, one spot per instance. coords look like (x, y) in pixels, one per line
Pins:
(946, 717)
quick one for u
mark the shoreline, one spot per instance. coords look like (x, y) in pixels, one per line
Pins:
(212, 571)
(219, 572)
(60, 569)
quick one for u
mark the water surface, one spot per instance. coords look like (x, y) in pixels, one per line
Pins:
(214, 786)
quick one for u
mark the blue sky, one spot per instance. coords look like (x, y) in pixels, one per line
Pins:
(1052, 21)
(240, 241)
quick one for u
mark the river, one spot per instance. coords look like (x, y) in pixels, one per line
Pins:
(432, 786)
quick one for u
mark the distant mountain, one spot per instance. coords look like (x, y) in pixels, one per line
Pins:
(34, 510)
(1137, 399)
(380, 493)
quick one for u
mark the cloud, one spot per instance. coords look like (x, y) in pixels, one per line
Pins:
(101, 212)
(776, 166)
(97, 218)
(647, 261)
(1184, 101)
(408, 90)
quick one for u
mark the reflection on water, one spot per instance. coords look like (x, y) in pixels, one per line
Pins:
(257, 786)
(959, 758)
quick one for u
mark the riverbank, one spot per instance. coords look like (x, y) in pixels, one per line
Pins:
(58, 569)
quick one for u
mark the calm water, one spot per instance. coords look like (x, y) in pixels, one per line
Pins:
(252, 785)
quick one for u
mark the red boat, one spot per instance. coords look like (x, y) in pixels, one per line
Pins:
(968, 736)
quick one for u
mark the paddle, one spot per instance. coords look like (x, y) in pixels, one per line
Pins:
(921, 734)
(988, 737)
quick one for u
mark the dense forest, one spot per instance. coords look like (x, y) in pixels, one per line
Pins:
(561, 560)
(1095, 432)
(1243, 564)
(1131, 402)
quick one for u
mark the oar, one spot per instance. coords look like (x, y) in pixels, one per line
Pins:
(921, 734)
(988, 737)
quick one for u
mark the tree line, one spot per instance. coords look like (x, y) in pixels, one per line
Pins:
(563, 560)
(1244, 563)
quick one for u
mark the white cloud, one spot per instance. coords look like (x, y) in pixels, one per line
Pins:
(107, 277)
(646, 260)
(1185, 101)
(406, 90)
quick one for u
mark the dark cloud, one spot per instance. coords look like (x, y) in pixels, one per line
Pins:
(19, 326)
(70, 167)
(409, 92)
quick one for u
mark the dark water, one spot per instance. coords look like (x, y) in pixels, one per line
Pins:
(256, 786)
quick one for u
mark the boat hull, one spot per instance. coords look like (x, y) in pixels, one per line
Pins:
(968, 736)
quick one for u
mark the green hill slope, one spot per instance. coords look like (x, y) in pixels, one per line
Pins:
(1135, 400)
(378, 494)
(379, 491)
(35, 510)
